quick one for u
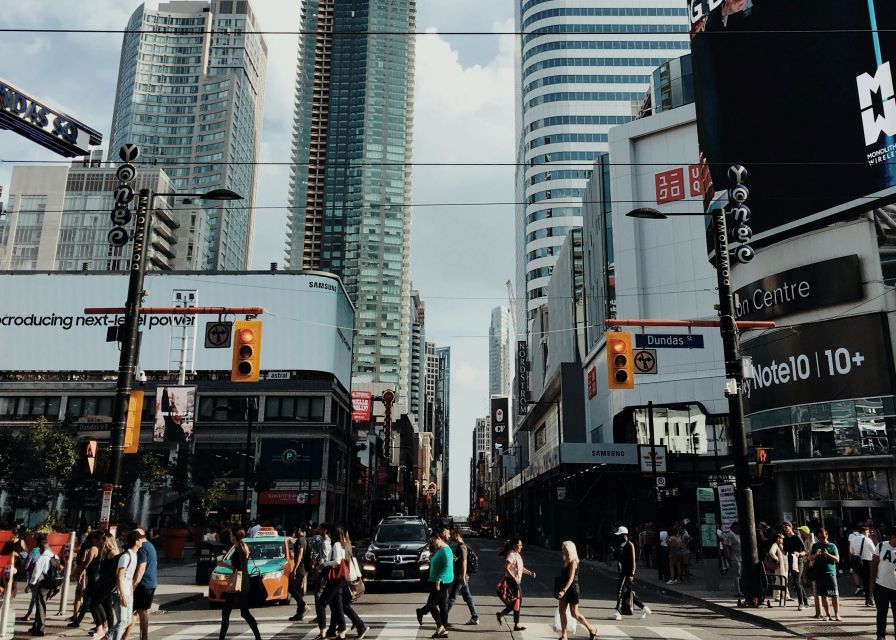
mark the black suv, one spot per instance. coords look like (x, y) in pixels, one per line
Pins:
(398, 552)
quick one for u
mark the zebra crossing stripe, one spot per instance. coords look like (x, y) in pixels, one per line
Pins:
(267, 630)
(190, 632)
(399, 630)
(673, 633)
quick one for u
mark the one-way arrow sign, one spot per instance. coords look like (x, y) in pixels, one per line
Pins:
(217, 335)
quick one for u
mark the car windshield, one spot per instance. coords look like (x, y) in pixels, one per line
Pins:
(268, 550)
(401, 533)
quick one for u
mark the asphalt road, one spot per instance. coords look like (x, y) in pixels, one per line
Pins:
(389, 612)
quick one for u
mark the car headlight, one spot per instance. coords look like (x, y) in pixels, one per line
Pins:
(424, 556)
(219, 577)
(370, 556)
(273, 575)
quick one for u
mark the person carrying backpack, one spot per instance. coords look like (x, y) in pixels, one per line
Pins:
(465, 563)
(43, 579)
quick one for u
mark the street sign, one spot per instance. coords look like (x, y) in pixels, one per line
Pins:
(106, 508)
(668, 341)
(129, 153)
(660, 482)
(645, 361)
(647, 458)
(706, 494)
(218, 334)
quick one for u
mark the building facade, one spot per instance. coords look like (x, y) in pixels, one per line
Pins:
(417, 368)
(443, 419)
(351, 174)
(500, 352)
(190, 95)
(58, 220)
(580, 71)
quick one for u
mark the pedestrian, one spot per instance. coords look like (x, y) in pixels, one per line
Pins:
(674, 542)
(826, 557)
(38, 587)
(883, 573)
(239, 562)
(301, 567)
(853, 541)
(333, 581)
(123, 597)
(775, 562)
(441, 576)
(684, 554)
(342, 536)
(33, 555)
(860, 550)
(514, 570)
(78, 605)
(590, 543)
(625, 590)
(733, 551)
(568, 592)
(254, 529)
(796, 553)
(101, 603)
(461, 577)
(662, 556)
(145, 582)
(87, 573)
(16, 545)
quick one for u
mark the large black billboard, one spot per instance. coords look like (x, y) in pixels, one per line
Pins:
(801, 93)
(500, 419)
(838, 359)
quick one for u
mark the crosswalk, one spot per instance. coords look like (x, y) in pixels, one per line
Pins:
(402, 628)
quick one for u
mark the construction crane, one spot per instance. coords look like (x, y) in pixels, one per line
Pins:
(511, 298)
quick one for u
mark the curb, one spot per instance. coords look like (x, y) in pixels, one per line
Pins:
(740, 615)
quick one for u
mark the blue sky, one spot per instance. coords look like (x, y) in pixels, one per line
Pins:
(464, 112)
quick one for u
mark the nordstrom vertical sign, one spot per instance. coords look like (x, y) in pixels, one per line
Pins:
(522, 374)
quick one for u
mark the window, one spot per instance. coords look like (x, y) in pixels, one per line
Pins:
(540, 437)
(82, 406)
(222, 408)
(29, 407)
(309, 408)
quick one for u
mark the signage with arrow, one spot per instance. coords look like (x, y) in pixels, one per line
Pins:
(218, 334)
(645, 361)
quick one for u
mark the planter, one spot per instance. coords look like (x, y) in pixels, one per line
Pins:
(173, 543)
(5, 536)
(57, 542)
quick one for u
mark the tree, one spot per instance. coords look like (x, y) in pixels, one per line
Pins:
(213, 496)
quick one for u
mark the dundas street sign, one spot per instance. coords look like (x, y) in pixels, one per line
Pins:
(48, 127)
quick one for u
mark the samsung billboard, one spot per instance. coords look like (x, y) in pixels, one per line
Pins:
(801, 93)
(308, 320)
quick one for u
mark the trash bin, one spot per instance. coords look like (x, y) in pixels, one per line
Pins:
(206, 561)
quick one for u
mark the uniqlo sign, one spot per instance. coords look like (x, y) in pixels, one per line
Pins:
(361, 401)
(669, 186)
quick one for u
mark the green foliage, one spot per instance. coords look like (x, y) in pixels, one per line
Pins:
(213, 496)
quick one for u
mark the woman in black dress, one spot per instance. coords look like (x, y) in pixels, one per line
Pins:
(239, 560)
(89, 575)
(105, 582)
(568, 592)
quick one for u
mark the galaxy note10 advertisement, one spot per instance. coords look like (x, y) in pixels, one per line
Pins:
(801, 93)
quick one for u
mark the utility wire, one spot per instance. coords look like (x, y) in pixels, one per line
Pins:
(186, 31)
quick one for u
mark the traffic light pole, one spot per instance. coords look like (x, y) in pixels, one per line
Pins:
(250, 405)
(736, 428)
(129, 336)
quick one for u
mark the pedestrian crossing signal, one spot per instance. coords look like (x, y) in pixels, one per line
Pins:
(246, 351)
(90, 455)
(620, 360)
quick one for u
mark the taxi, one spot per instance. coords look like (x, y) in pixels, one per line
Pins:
(270, 562)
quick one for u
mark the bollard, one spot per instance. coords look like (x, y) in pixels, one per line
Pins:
(69, 561)
(7, 619)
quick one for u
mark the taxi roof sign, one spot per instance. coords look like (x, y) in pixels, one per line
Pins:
(266, 532)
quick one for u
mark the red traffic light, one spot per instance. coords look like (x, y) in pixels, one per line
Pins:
(246, 336)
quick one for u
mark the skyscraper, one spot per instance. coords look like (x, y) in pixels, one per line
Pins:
(499, 352)
(417, 369)
(191, 96)
(351, 174)
(580, 71)
(443, 417)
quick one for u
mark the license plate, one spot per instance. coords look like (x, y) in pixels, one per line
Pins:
(398, 574)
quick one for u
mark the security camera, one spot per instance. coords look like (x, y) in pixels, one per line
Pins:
(141, 377)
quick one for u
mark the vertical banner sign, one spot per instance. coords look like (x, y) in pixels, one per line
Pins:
(106, 506)
(522, 375)
(727, 506)
(175, 408)
(361, 406)
(500, 423)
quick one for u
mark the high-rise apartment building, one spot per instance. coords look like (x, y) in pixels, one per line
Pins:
(58, 220)
(443, 417)
(191, 96)
(351, 174)
(580, 71)
(499, 352)
(417, 367)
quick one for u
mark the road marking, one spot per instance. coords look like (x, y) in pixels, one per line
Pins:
(611, 631)
(398, 630)
(193, 632)
(673, 633)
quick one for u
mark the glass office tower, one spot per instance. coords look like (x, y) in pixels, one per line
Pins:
(580, 71)
(351, 176)
(191, 96)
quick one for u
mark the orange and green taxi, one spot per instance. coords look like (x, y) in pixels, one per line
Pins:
(270, 559)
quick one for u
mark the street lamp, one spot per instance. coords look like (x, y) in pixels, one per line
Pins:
(734, 373)
(129, 331)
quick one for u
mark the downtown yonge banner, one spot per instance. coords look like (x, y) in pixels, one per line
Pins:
(801, 93)
(308, 321)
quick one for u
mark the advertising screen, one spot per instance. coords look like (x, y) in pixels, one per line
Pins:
(500, 422)
(175, 408)
(801, 93)
(308, 321)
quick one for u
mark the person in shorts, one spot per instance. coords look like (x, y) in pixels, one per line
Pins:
(825, 557)
(145, 583)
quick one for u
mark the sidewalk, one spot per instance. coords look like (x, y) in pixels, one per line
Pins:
(858, 620)
(176, 586)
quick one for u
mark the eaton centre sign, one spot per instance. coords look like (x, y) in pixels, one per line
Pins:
(48, 127)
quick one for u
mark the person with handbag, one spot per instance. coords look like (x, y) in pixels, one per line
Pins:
(566, 590)
(796, 551)
(860, 549)
(301, 558)
(334, 575)
(626, 597)
(883, 574)
(101, 602)
(441, 575)
(238, 588)
(352, 588)
(461, 564)
(513, 578)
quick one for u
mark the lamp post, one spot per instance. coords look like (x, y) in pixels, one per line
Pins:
(129, 331)
(734, 373)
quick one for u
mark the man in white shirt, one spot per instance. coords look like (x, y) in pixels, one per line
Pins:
(861, 549)
(855, 539)
(254, 529)
(36, 585)
(123, 601)
(662, 556)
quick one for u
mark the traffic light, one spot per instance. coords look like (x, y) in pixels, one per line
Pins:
(246, 351)
(763, 457)
(620, 363)
(132, 427)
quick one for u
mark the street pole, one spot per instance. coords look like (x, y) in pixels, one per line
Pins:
(130, 339)
(249, 404)
(736, 428)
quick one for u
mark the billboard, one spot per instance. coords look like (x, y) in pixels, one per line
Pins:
(175, 412)
(840, 359)
(500, 418)
(362, 402)
(800, 92)
(308, 320)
